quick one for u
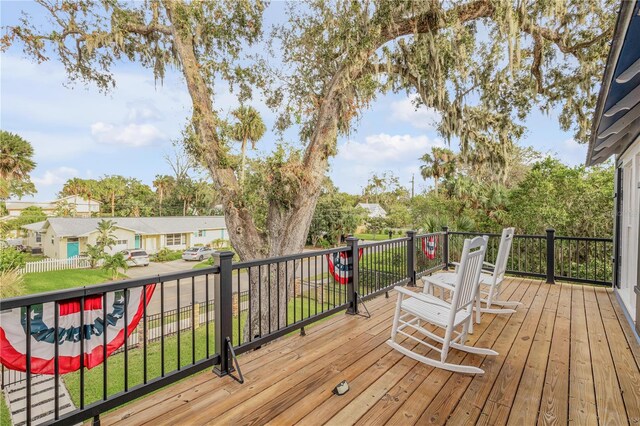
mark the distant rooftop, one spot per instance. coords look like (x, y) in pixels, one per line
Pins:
(373, 209)
(78, 226)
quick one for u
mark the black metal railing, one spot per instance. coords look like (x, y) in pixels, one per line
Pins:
(196, 319)
(577, 259)
(144, 362)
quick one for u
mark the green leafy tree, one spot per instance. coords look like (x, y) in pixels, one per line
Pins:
(114, 263)
(338, 56)
(575, 201)
(16, 164)
(334, 217)
(249, 127)
(31, 214)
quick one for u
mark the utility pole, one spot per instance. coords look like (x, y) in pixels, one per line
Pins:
(413, 181)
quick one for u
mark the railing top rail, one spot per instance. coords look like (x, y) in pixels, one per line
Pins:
(557, 237)
(288, 258)
(73, 293)
(430, 234)
(383, 242)
(608, 240)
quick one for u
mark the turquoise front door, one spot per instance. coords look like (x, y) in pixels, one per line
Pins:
(137, 242)
(73, 249)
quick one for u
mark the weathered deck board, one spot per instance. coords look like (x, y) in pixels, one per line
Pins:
(559, 362)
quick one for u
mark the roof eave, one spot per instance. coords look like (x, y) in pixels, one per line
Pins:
(624, 18)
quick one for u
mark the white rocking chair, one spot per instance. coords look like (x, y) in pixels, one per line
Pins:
(490, 281)
(414, 308)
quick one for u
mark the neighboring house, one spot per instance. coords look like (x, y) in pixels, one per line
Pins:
(82, 206)
(34, 234)
(62, 237)
(373, 210)
(616, 131)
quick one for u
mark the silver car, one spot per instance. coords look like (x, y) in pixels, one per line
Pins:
(197, 253)
(136, 257)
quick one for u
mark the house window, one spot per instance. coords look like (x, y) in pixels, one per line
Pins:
(201, 233)
(122, 242)
(38, 237)
(175, 239)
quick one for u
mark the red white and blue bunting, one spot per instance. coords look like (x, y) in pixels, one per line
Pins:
(430, 247)
(341, 266)
(13, 330)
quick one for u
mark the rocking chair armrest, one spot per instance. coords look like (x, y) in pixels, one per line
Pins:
(488, 267)
(420, 296)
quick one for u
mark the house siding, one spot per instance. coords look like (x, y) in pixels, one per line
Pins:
(629, 229)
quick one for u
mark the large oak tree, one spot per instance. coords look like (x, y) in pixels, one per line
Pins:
(483, 64)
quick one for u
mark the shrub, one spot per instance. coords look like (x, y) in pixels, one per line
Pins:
(11, 259)
(166, 255)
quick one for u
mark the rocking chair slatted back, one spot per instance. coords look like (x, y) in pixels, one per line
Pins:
(503, 254)
(469, 273)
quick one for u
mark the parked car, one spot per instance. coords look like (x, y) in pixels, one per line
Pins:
(136, 257)
(197, 253)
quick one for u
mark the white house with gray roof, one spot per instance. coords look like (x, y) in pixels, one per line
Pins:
(62, 237)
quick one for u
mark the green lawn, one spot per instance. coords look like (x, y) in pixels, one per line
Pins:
(115, 364)
(39, 282)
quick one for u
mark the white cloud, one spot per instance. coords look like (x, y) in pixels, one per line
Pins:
(134, 135)
(421, 118)
(384, 148)
(57, 176)
(143, 111)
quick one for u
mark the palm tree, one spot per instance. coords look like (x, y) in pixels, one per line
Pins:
(163, 185)
(106, 237)
(249, 127)
(113, 263)
(15, 164)
(73, 186)
(113, 186)
(441, 163)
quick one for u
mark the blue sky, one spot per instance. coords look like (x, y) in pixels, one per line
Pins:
(77, 131)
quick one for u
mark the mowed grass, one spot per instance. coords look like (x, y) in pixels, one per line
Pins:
(5, 416)
(93, 379)
(38, 282)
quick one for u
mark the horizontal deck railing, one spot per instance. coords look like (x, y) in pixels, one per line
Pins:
(577, 259)
(193, 319)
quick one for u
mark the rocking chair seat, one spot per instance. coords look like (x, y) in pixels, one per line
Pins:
(448, 279)
(431, 309)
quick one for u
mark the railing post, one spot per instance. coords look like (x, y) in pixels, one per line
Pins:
(353, 283)
(551, 256)
(445, 248)
(411, 258)
(223, 310)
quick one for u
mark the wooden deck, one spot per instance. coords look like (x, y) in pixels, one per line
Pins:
(567, 355)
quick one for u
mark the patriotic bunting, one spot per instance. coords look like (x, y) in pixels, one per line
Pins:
(13, 330)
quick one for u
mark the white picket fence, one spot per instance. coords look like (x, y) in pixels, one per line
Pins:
(45, 265)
